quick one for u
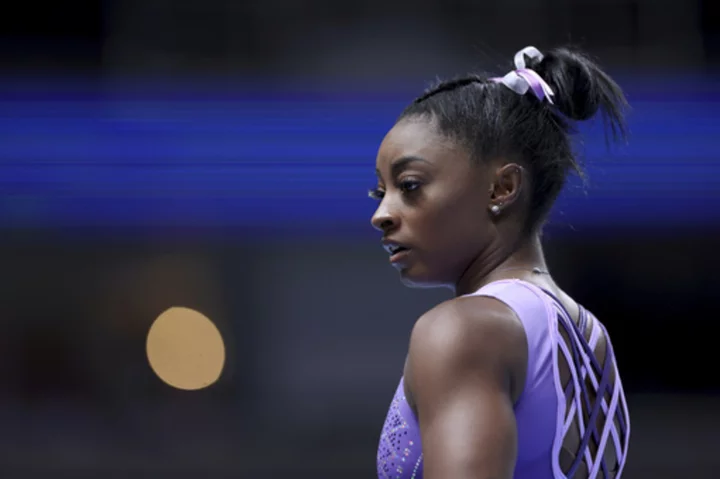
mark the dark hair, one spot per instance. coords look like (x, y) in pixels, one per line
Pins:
(493, 121)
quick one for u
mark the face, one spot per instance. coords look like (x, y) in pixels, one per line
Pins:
(434, 201)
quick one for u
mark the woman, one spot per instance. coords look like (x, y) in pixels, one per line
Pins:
(511, 378)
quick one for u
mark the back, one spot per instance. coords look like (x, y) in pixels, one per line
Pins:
(572, 417)
(572, 372)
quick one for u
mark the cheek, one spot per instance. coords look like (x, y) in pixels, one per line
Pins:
(456, 223)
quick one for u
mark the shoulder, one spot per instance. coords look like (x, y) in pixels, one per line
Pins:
(460, 325)
(468, 335)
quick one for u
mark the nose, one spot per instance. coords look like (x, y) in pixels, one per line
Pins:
(383, 220)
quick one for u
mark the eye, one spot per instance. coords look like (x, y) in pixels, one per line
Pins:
(409, 186)
(376, 194)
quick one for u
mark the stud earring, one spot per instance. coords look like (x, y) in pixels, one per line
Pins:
(495, 209)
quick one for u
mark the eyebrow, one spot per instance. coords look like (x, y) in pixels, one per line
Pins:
(400, 164)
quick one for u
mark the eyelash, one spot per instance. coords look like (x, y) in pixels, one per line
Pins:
(407, 186)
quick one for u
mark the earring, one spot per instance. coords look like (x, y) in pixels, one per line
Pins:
(495, 209)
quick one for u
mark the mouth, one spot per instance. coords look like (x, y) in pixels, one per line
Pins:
(396, 251)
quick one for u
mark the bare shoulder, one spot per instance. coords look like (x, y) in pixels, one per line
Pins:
(464, 324)
(468, 335)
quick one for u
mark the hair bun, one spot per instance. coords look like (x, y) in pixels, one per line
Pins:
(581, 87)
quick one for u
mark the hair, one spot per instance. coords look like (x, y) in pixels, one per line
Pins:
(492, 121)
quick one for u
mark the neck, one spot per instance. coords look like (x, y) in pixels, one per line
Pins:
(502, 263)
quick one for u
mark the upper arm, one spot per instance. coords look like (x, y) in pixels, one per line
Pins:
(466, 366)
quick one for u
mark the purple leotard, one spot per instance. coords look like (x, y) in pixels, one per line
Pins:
(545, 411)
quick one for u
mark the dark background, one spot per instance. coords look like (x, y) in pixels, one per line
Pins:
(215, 154)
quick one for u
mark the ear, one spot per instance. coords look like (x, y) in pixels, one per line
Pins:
(506, 186)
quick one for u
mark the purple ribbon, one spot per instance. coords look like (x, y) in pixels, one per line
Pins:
(524, 79)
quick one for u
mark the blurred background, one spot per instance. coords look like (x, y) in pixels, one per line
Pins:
(216, 155)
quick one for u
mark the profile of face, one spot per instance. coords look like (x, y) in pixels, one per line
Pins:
(434, 204)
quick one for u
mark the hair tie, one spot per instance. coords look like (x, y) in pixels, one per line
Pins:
(523, 79)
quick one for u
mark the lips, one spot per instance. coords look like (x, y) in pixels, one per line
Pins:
(396, 250)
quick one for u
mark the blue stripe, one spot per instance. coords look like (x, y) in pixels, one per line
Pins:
(78, 155)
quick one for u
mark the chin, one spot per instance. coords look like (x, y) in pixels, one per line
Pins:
(419, 280)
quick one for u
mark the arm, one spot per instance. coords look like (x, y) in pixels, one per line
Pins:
(466, 367)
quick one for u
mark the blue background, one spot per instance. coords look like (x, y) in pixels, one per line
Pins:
(137, 155)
